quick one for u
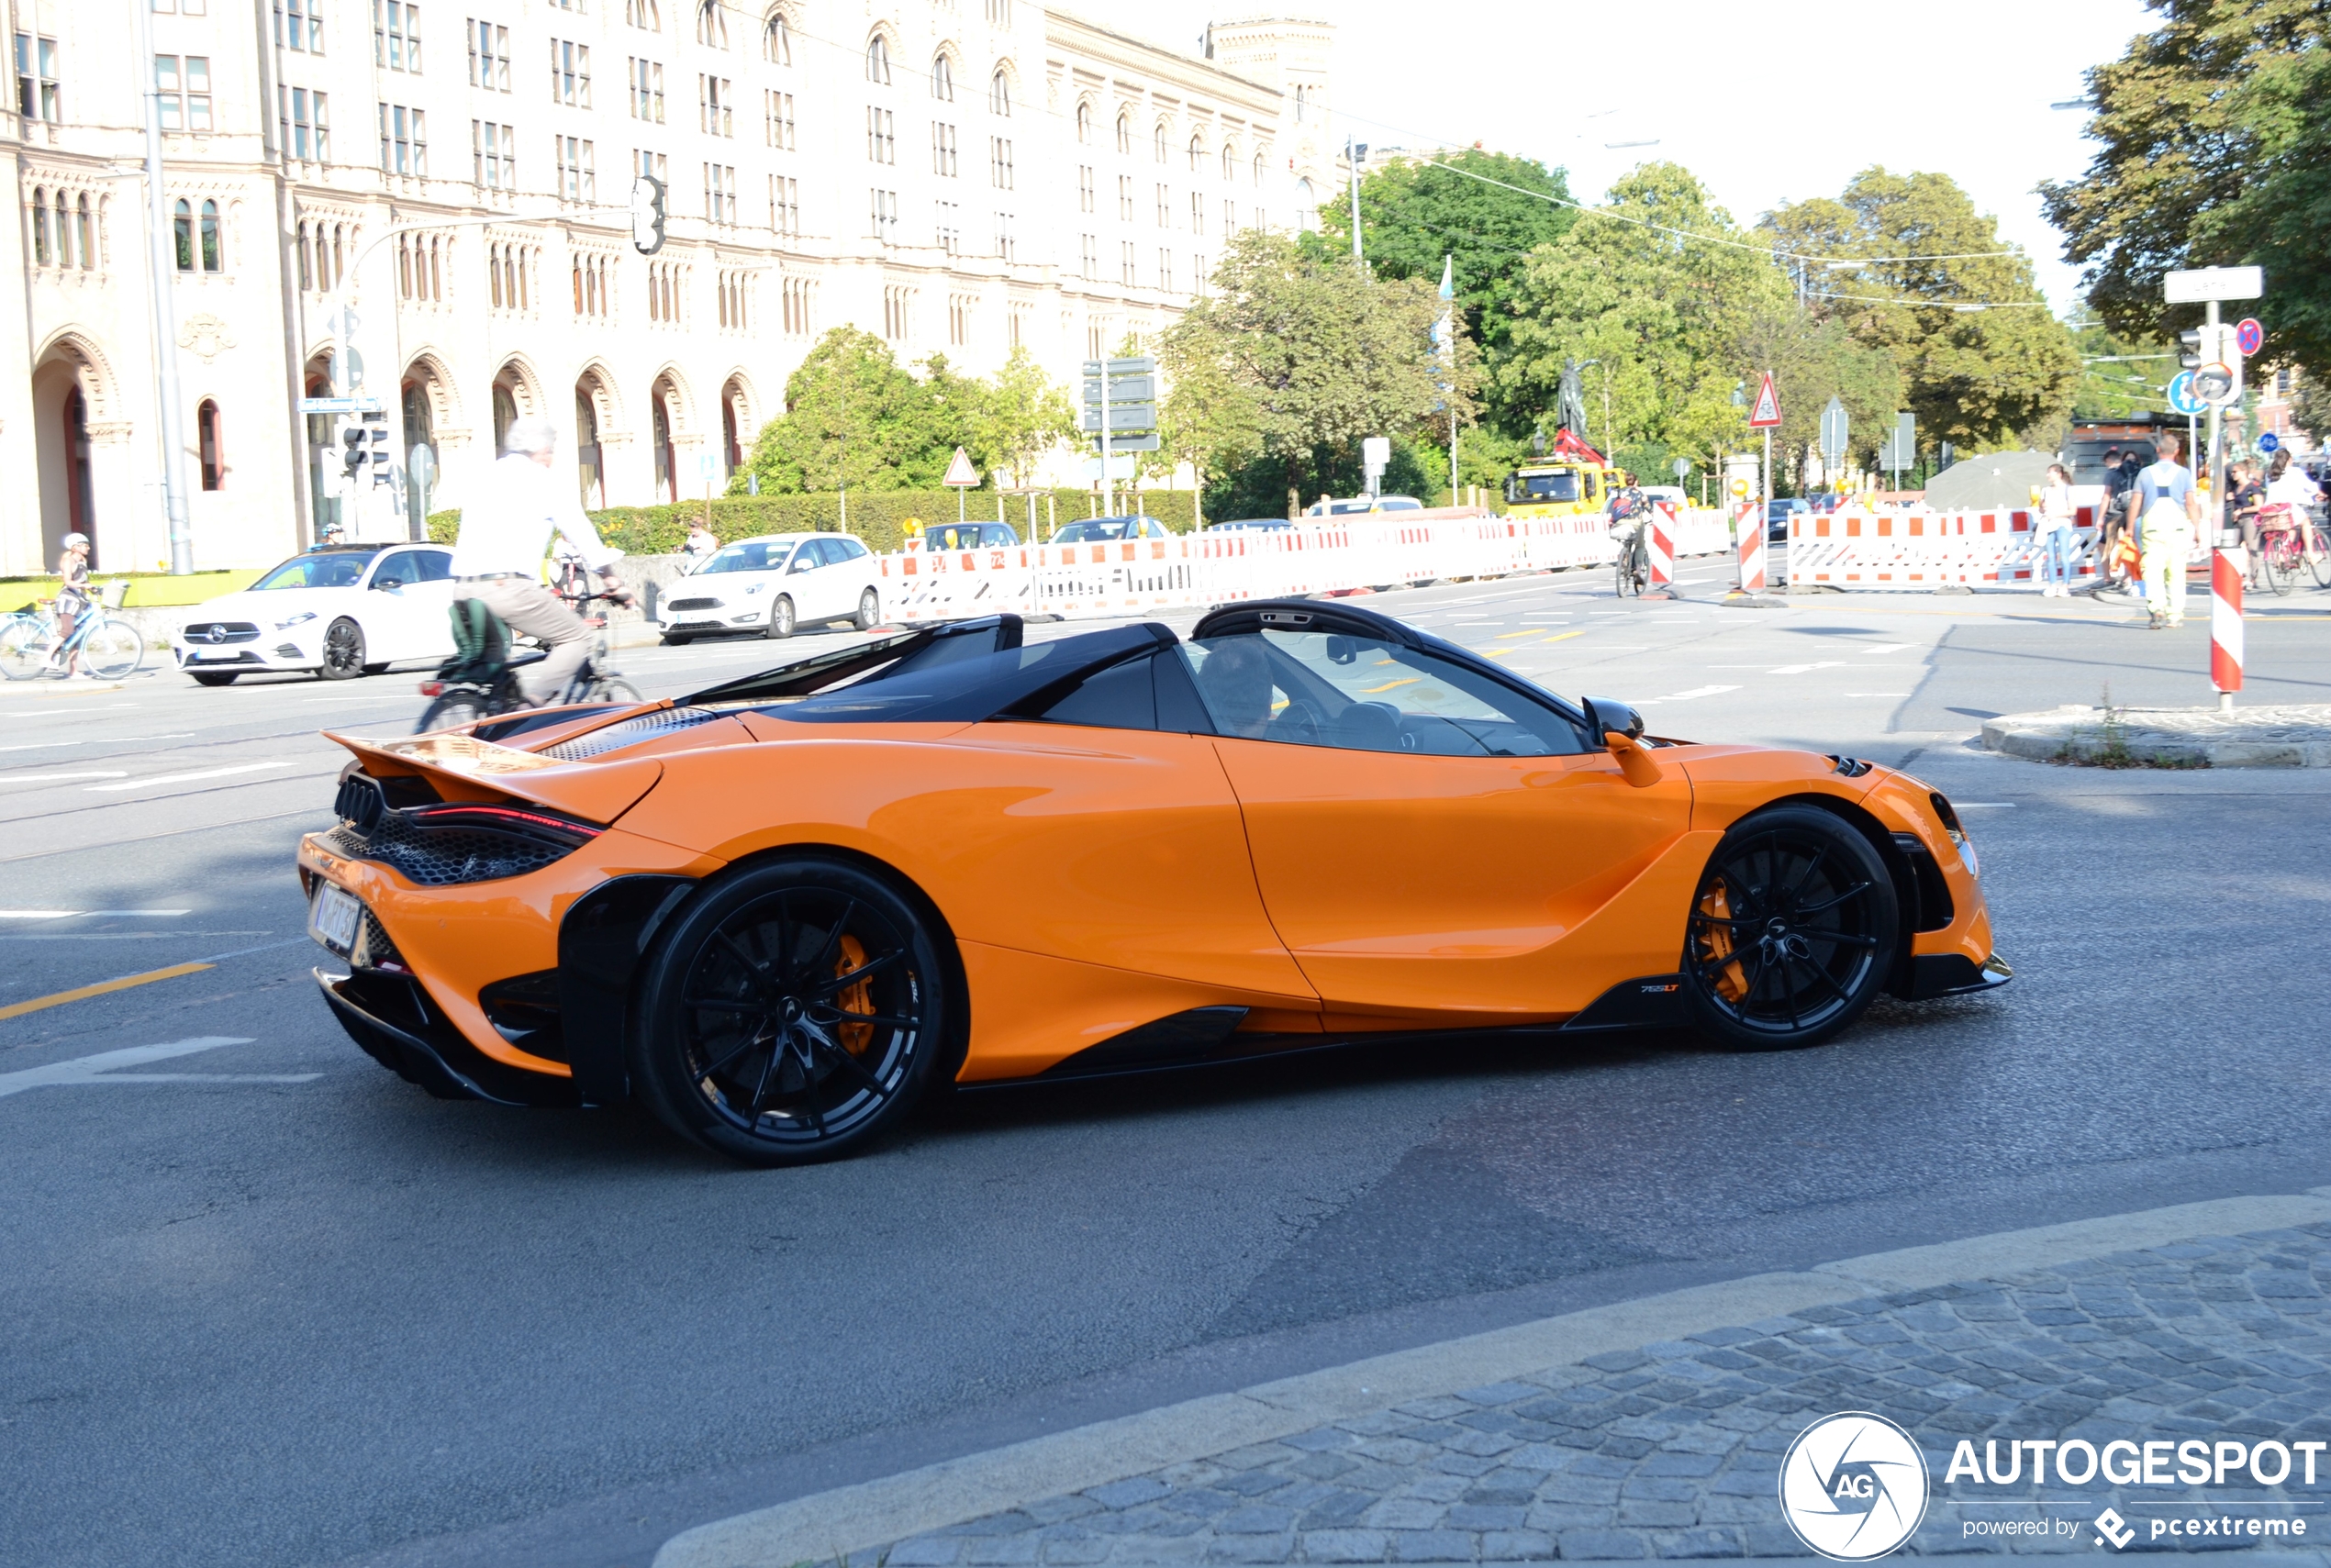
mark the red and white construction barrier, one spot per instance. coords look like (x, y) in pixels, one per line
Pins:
(1324, 555)
(1752, 559)
(2225, 622)
(1923, 551)
(1659, 532)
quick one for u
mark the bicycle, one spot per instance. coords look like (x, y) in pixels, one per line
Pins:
(1635, 560)
(2283, 539)
(480, 681)
(106, 649)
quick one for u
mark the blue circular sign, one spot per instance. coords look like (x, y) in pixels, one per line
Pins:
(2268, 443)
(2181, 397)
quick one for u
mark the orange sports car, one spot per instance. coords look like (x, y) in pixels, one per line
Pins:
(777, 911)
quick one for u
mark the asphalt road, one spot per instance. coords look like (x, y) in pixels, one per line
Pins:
(262, 1304)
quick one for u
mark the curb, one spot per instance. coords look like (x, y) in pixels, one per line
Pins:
(2084, 734)
(825, 1525)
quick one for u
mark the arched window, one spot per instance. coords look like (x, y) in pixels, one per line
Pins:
(1157, 142)
(1307, 209)
(1124, 144)
(878, 61)
(942, 86)
(1302, 98)
(40, 251)
(999, 97)
(184, 223)
(711, 24)
(1197, 154)
(212, 259)
(1258, 181)
(213, 465)
(1229, 161)
(1085, 130)
(776, 40)
(87, 236)
(643, 14)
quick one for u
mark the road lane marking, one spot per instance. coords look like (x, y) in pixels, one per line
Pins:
(102, 1068)
(1781, 670)
(1695, 692)
(106, 740)
(189, 778)
(80, 914)
(174, 832)
(1874, 694)
(1888, 647)
(61, 778)
(1567, 635)
(83, 993)
(1984, 804)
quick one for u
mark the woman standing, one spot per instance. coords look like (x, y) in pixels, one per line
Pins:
(2057, 542)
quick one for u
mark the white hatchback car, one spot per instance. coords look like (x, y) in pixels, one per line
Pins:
(339, 610)
(772, 584)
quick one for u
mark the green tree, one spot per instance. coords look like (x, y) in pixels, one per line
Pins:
(2212, 133)
(1327, 354)
(1812, 359)
(2121, 375)
(1022, 415)
(854, 416)
(1208, 420)
(1644, 294)
(1984, 359)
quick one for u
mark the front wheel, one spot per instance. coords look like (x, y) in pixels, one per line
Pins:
(795, 1012)
(112, 651)
(869, 610)
(616, 689)
(343, 650)
(781, 617)
(1792, 932)
(452, 711)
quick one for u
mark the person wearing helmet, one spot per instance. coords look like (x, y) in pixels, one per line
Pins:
(73, 596)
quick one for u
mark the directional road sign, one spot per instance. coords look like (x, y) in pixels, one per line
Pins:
(1765, 414)
(1141, 364)
(1121, 389)
(2202, 285)
(340, 405)
(2248, 335)
(1121, 417)
(2183, 397)
(1147, 443)
(1833, 432)
(959, 473)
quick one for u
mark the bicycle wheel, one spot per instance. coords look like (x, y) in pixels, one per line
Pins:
(2319, 540)
(24, 648)
(111, 650)
(616, 689)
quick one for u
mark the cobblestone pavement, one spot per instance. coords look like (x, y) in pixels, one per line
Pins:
(1673, 1450)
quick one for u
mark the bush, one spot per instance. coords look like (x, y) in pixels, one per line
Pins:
(877, 518)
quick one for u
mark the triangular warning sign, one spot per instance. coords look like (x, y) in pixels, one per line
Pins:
(1767, 414)
(960, 472)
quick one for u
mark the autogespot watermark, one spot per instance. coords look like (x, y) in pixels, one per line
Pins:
(1856, 1485)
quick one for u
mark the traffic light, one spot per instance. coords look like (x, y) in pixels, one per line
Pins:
(351, 436)
(376, 453)
(2191, 358)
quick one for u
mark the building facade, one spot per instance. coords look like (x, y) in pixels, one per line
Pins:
(957, 176)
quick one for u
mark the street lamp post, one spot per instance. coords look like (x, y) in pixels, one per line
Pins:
(163, 264)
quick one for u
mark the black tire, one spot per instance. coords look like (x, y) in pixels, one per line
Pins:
(2320, 565)
(616, 690)
(1792, 932)
(780, 618)
(672, 641)
(213, 677)
(450, 712)
(741, 1046)
(869, 614)
(343, 650)
(2279, 560)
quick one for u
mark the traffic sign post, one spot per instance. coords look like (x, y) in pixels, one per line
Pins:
(2217, 382)
(1832, 438)
(1120, 412)
(961, 477)
(1900, 451)
(420, 471)
(2268, 443)
(1765, 415)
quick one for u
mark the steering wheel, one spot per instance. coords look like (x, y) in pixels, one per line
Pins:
(1303, 722)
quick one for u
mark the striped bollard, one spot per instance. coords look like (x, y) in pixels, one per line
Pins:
(1752, 558)
(1659, 542)
(2225, 624)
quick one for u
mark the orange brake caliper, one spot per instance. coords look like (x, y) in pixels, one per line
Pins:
(1731, 982)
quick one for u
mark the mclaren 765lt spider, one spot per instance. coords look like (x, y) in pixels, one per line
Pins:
(779, 910)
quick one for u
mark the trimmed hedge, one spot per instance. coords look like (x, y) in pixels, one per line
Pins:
(875, 517)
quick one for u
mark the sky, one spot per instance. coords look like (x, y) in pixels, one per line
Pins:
(1766, 103)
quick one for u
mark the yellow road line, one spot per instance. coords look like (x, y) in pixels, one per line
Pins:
(1510, 636)
(1567, 635)
(83, 993)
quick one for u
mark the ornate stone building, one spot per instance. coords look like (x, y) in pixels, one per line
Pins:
(956, 175)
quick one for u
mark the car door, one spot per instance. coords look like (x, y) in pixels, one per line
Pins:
(392, 614)
(809, 581)
(430, 599)
(1428, 839)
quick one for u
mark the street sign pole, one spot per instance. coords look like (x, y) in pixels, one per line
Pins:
(2208, 286)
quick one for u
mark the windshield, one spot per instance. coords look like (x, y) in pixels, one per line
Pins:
(1563, 486)
(340, 569)
(756, 555)
(1097, 529)
(967, 536)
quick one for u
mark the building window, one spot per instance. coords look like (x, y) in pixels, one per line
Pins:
(999, 94)
(1125, 134)
(420, 268)
(943, 149)
(1164, 206)
(779, 108)
(898, 303)
(652, 164)
(1197, 272)
(958, 321)
(785, 204)
(213, 257)
(647, 89)
(947, 223)
(592, 295)
(643, 14)
(1085, 191)
(1125, 263)
(1164, 268)
(942, 80)
(720, 194)
(2283, 383)
(183, 231)
(397, 35)
(182, 88)
(571, 73)
(1258, 170)
(37, 79)
(1000, 163)
(711, 24)
(494, 156)
(730, 289)
(1196, 155)
(776, 40)
(1084, 125)
(213, 465)
(1229, 161)
(1000, 13)
(507, 267)
(299, 25)
(87, 234)
(883, 206)
(882, 135)
(878, 62)
(1302, 104)
(489, 45)
(1230, 216)
(577, 169)
(1124, 198)
(1016, 324)
(664, 292)
(303, 125)
(716, 100)
(1197, 212)
(1158, 142)
(797, 307)
(403, 140)
(1091, 256)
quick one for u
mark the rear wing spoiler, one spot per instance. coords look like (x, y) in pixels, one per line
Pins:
(463, 767)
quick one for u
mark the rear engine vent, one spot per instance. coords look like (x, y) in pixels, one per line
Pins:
(440, 845)
(628, 732)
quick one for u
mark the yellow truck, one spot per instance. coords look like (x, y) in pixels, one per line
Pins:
(1572, 478)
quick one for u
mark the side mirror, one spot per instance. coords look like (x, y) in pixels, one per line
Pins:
(1606, 715)
(1620, 729)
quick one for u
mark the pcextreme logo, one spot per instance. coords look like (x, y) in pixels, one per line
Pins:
(1853, 1486)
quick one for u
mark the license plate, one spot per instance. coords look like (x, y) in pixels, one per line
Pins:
(199, 654)
(332, 918)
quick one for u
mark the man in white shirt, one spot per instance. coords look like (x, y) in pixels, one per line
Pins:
(506, 529)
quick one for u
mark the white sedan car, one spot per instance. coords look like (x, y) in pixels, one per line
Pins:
(339, 610)
(772, 584)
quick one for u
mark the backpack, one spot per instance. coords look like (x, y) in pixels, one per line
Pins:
(481, 643)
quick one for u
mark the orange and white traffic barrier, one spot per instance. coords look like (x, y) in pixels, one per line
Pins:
(2225, 622)
(1752, 559)
(1659, 543)
(1921, 551)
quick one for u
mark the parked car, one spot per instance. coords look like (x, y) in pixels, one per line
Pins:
(1674, 495)
(1334, 509)
(1238, 525)
(1777, 511)
(968, 536)
(338, 610)
(772, 584)
(1089, 531)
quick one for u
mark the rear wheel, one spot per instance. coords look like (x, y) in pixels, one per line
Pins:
(343, 650)
(451, 711)
(616, 690)
(869, 610)
(24, 648)
(213, 677)
(2279, 557)
(794, 1013)
(2319, 554)
(781, 617)
(1792, 932)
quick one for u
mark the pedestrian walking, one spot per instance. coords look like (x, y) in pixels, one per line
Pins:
(2288, 485)
(700, 542)
(2169, 510)
(73, 597)
(2245, 492)
(2057, 542)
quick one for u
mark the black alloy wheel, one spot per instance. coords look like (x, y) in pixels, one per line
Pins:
(343, 650)
(1792, 932)
(869, 610)
(795, 1012)
(781, 617)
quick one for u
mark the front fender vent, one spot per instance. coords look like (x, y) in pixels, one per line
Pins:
(1851, 767)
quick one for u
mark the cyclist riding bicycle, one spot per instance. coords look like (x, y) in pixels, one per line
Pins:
(73, 597)
(506, 530)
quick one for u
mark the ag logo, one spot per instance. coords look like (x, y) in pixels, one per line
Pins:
(1853, 1486)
